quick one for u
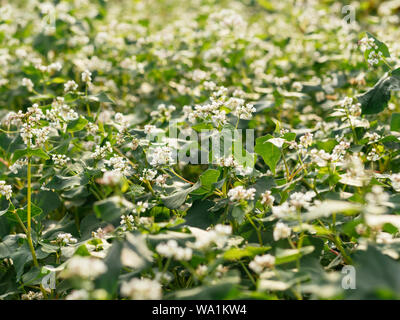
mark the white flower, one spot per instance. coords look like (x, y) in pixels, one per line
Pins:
(384, 237)
(142, 289)
(373, 155)
(306, 140)
(374, 58)
(160, 156)
(223, 230)
(161, 180)
(171, 249)
(141, 207)
(31, 295)
(240, 193)
(127, 222)
(245, 112)
(65, 239)
(84, 267)
(5, 189)
(267, 199)
(262, 262)
(60, 159)
(219, 235)
(297, 86)
(395, 179)
(148, 174)
(340, 150)
(201, 270)
(28, 84)
(81, 294)
(281, 231)
(283, 210)
(86, 76)
(55, 66)
(111, 178)
(243, 171)
(92, 128)
(70, 85)
(60, 110)
(227, 162)
(149, 129)
(301, 200)
(372, 137)
(378, 197)
(14, 168)
(119, 164)
(367, 43)
(99, 233)
(100, 152)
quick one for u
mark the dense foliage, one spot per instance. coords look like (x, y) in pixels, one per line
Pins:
(92, 207)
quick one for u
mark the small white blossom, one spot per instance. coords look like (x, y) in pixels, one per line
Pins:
(31, 295)
(267, 199)
(60, 159)
(171, 249)
(70, 85)
(240, 193)
(306, 140)
(28, 84)
(142, 289)
(111, 178)
(84, 267)
(5, 190)
(281, 231)
(260, 263)
(86, 76)
(64, 239)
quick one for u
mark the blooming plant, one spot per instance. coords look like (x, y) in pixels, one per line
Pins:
(102, 191)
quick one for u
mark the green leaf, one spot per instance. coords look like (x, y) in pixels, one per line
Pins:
(396, 73)
(41, 97)
(199, 215)
(248, 252)
(111, 209)
(20, 153)
(135, 253)
(82, 251)
(395, 122)
(175, 200)
(238, 214)
(288, 255)
(47, 200)
(60, 183)
(374, 271)
(223, 289)
(268, 151)
(377, 98)
(207, 179)
(23, 213)
(10, 207)
(77, 125)
(109, 280)
(101, 97)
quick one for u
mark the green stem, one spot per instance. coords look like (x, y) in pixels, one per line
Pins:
(257, 229)
(248, 273)
(338, 244)
(288, 178)
(180, 177)
(29, 215)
